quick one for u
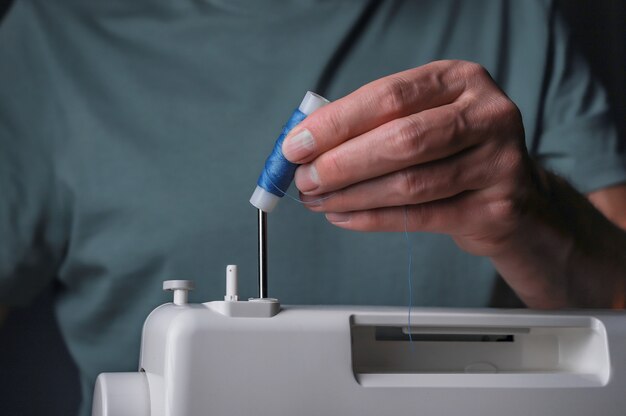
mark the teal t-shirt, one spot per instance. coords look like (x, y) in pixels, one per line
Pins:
(132, 134)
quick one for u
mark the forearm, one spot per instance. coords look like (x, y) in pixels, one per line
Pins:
(565, 253)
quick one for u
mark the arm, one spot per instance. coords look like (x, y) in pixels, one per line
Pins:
(440, 148)
(566, 253)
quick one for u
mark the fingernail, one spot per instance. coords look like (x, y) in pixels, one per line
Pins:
(307, 179)
(299, 146)
(336, 217)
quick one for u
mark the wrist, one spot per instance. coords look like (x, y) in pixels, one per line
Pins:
(564, 252)
(535, 255)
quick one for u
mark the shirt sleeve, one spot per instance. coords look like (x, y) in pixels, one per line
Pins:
(577, 138)
(32, 226)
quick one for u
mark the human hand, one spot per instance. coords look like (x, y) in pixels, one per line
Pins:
(441, 140)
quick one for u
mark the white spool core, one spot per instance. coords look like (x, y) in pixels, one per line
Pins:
(263, 200)
(312, 102)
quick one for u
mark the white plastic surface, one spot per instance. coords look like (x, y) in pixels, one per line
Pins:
(253, 308)
(308, 361)
(267, 201)
(121, 394)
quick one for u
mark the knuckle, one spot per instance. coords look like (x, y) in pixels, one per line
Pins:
(507, 110)
(334, 124)
(395, 94)
(473, 70)
(406, 133)
(426, 218)
(504, 211)
(456, 125)
(514, 160)
(459, 176)
(510, 162)
(499, 116)
(507, 207)
(333, 164)
(370, 220)
(410, 184)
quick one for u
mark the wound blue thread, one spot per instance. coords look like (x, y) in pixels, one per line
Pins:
(409, 249)
(278, 173)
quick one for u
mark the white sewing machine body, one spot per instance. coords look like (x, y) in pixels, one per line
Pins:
(235, 358)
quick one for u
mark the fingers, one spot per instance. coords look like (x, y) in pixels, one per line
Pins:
(427, 182)
(442, 140)
(433, 134)
(373, 105)
(477, 223)
(448, 216)
(419, 138)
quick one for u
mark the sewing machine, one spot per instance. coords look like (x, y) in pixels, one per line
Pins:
(256, 357)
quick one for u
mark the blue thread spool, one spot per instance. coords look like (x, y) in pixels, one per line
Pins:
(278, 172)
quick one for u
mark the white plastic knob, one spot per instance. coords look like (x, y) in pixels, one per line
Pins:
(180, 288)
(121, 394)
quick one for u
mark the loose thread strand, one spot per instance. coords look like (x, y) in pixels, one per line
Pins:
(409, 249)
(296, 198)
